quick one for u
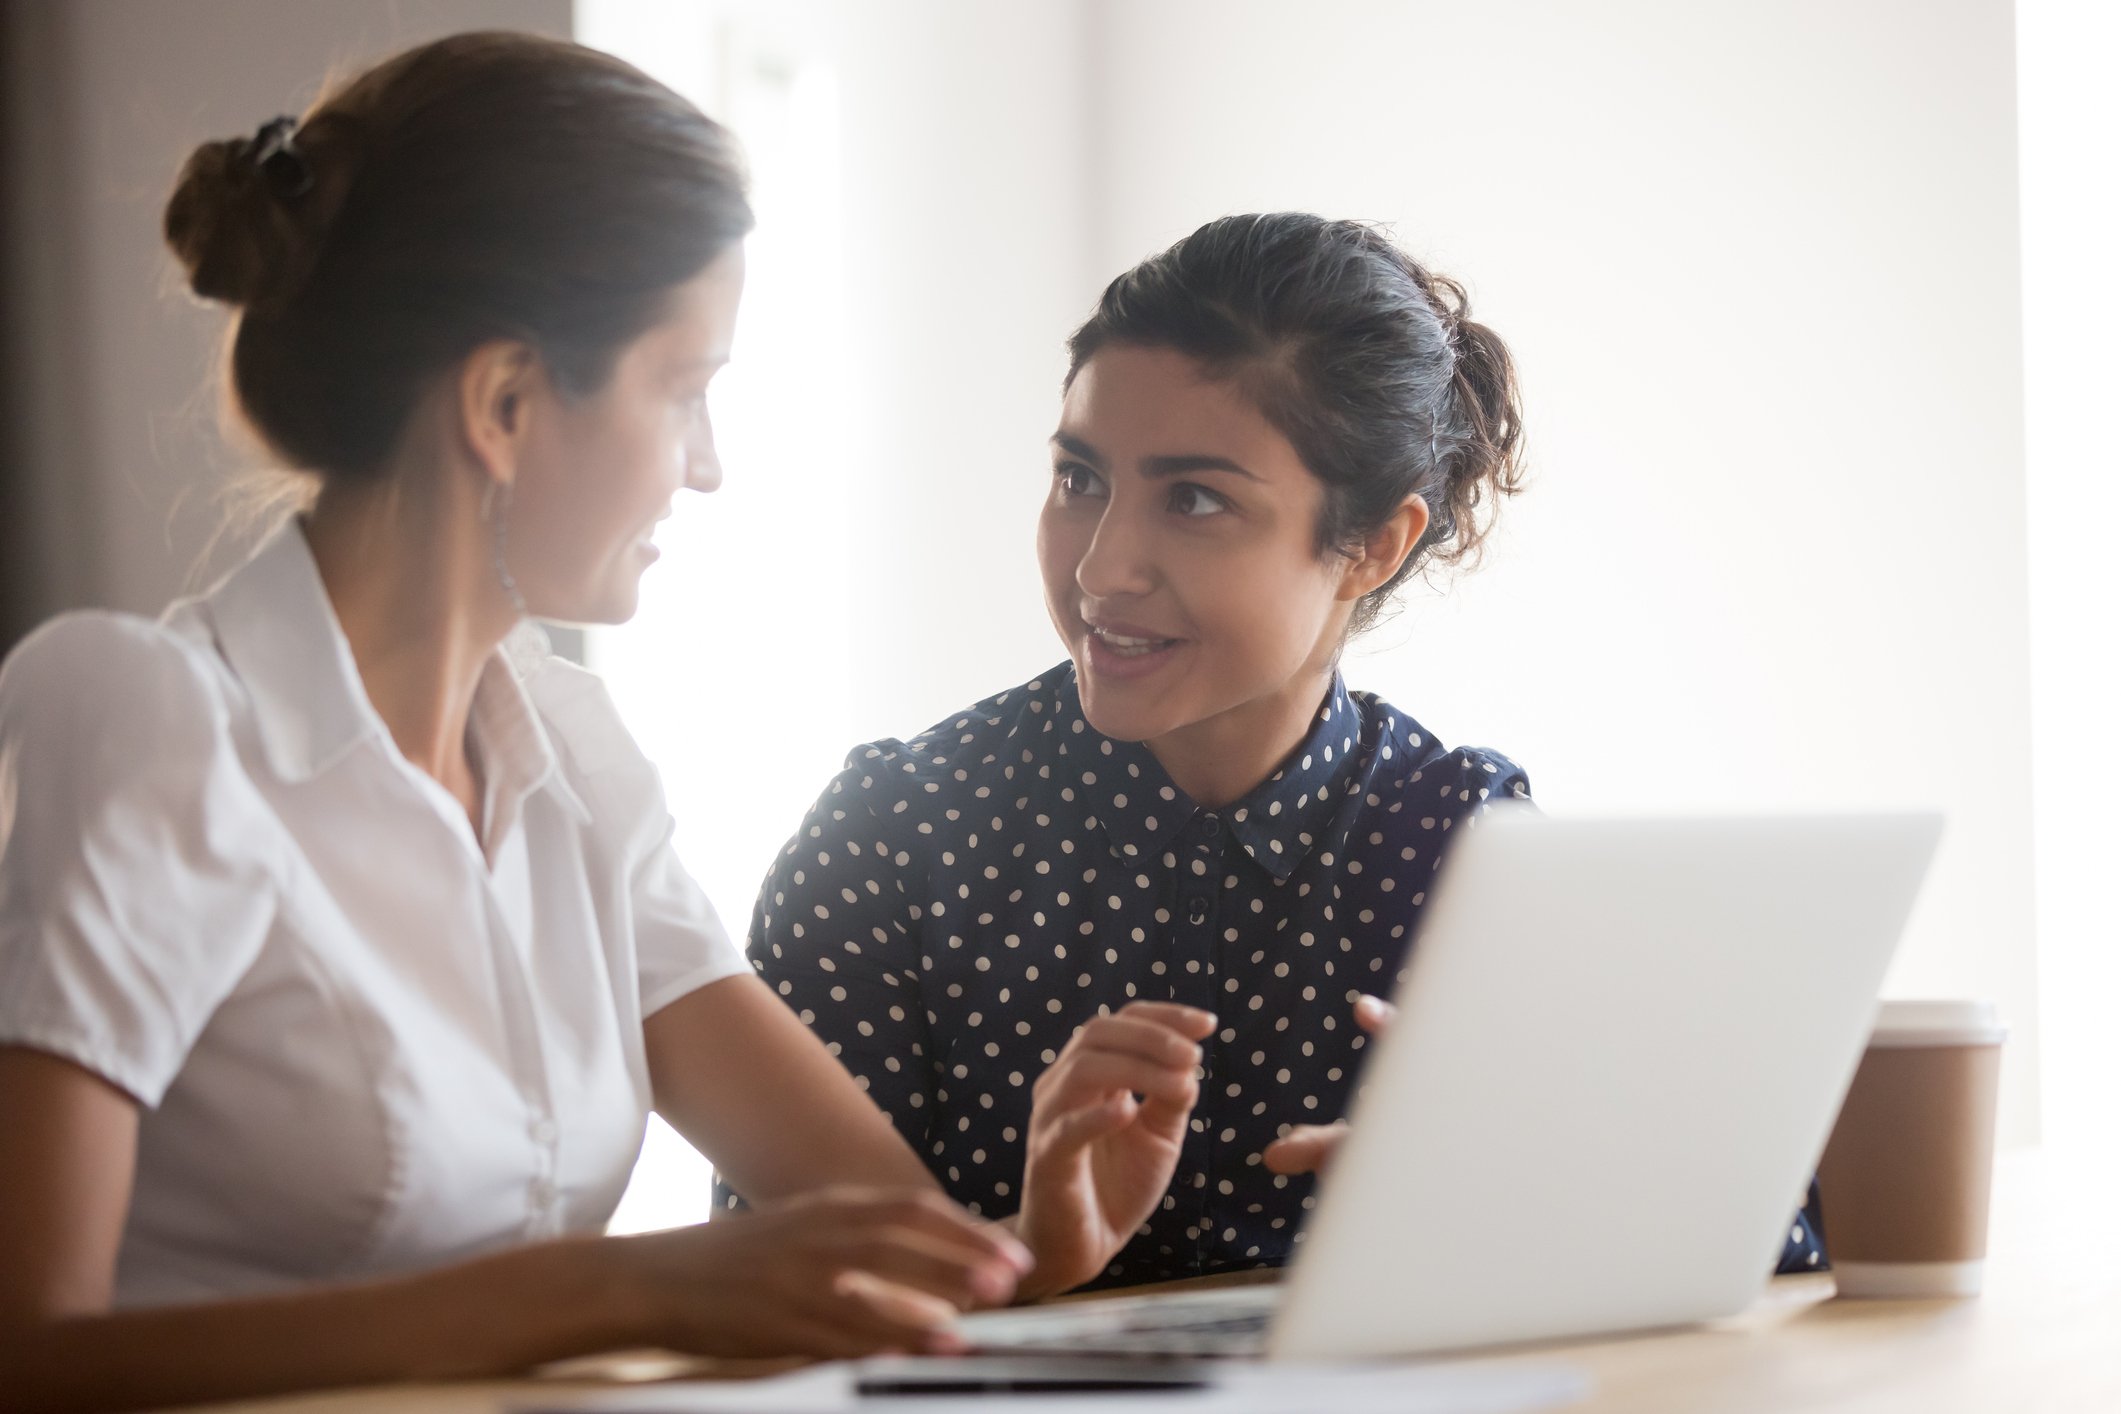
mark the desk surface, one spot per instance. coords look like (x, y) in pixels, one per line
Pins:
(2044, 1338)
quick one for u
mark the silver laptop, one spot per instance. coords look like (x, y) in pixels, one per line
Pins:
(1620, 1046)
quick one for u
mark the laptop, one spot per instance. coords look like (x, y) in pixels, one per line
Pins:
(1620, 1047)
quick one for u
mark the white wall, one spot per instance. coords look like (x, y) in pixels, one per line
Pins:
(971, 189)
(2070, 127)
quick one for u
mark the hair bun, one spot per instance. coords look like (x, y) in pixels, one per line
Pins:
(233, 220)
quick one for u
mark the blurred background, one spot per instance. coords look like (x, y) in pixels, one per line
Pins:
(1815, 303)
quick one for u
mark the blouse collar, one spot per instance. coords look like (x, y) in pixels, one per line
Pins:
(280, 635)
(1142, 811)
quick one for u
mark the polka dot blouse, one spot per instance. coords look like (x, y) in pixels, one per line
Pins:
(953, 907)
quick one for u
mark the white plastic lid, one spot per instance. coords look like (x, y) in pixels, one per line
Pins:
(1932, 1023)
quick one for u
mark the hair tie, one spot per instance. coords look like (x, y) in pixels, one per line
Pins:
(272, 152)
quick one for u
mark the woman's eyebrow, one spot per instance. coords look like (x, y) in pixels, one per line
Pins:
(1171, 465)
(1180, 465)
(687, 367)
(1078, 448)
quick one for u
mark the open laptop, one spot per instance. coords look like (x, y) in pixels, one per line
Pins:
(1620, 1046)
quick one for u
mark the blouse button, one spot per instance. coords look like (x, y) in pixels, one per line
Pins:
(541, 1195)
(544, 1131)
(1196, 909)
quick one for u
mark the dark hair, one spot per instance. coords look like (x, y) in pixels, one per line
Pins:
(487, 185)
(1364, 360)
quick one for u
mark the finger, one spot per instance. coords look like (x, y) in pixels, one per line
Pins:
(812, 1323)
(804, 1336)
(839, 1333)
(957, 1274)
(1188, 1021)
(931, 1213)
(1374, 1014)
(937, 1215)
(1304, 1149)
(1084, 1076)
(1168, 1115)
(1071, 1131)
(1133, 1036)
(840, 1327)
(888, 1306)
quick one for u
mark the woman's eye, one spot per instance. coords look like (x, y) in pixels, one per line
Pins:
(1190, 500)
(1076, 479)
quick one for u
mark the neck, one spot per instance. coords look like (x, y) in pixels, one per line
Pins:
(411, 578)
(1221, 759)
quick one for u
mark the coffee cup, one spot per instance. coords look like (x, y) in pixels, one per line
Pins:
(1904, 1185)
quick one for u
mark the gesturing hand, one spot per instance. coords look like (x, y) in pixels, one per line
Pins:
(837, 1273)
(1107, 1120)
(1308, 1148)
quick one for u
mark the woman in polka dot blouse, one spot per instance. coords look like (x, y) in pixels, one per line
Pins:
(1265, 430)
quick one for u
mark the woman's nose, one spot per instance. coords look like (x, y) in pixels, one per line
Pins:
(703, 466)
(1118, 561)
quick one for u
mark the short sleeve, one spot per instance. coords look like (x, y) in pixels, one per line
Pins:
(139, 866)
(1489, 778)
(678, 938)
(679, 943)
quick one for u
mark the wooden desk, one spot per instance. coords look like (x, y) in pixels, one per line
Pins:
(2045, 1338)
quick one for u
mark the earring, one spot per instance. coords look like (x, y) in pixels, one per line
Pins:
(499, 521)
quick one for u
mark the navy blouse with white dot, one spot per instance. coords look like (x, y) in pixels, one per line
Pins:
(953, 907)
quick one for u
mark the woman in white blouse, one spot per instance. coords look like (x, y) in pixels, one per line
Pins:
(342, 946)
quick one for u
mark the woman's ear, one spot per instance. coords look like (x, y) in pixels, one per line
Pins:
(495, 388)
(1387, 548)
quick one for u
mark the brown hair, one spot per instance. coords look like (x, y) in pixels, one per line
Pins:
(1358, 355)
(485, 186)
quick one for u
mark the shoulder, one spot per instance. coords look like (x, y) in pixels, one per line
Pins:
(957, 754)
(1412, 763)
(1481, 773)
(108, 720)
(578, 715)
(993, 732)
(115, 679)
(906, 783)
(593, 752)
(575, 707)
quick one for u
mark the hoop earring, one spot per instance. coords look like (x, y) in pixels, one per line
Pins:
(500, 546)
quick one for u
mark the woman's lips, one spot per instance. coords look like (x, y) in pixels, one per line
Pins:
(1125, 651)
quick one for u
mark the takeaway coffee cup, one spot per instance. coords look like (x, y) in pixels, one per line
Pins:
(1904, 1184)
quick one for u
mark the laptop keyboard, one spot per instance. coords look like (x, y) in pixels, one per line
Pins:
(1229, 1323)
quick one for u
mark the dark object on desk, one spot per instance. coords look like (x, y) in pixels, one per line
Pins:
(906, 1389)
(922, 1376)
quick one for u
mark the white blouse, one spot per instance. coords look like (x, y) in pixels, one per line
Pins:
(362, 1043)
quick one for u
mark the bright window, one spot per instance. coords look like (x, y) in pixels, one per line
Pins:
(749, 595)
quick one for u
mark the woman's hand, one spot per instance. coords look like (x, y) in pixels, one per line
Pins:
(836, 1273)
(1107, 1120)
(1308, 1148)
